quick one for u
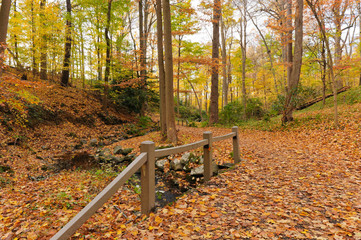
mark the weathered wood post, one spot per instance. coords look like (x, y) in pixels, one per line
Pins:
(236, 145)
(147, 179)
(207, 149)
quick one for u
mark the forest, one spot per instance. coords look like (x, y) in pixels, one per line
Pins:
(271, 57)
(84, 82)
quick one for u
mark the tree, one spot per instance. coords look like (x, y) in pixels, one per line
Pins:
(183, 23)
(4, 21)
(169, 100)
(227, 24)
(142, 45)
(317, 13)
(243, 43)
(295, 62)
(213, 118)
(163, 120)
(43, 42)
(67, 51)
(108, 53)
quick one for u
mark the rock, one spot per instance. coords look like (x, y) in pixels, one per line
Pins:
(105, 152)
(93, 142)
(185, 158)
(176, 165)
(186, 168)
(44, 147)
(83, 141)
(225, 166)
(129, 157)
(215, 168)
(160, 164)
(126, 151)
(117, 150)
(201, 160)
(199, 171)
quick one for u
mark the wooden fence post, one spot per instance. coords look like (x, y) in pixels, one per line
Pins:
(236, 145)
(207, 149)
(147, 179)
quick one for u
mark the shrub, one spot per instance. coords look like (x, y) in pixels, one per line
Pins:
(130, 96)
(191, 113)
(234, 111)
(303, 94)
(144, 122)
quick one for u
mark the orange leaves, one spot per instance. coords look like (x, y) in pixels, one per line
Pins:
(294, 185)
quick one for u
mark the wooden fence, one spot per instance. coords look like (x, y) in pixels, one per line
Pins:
(146, 161)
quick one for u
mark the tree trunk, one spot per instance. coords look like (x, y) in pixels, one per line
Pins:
(171, 127)
(163, 126)
(108, 54)
(43, 42)
(206, 96)
(196, 96)
(99, 66)
(215, 57)
(229, 70)
(244, 55)
(224, 65)
(321, 25)
(67, 53)
(323, 72)
(143, 18)
(82, 56)
(178, 72)
(16, 49)
(359, 13)
(268, 52)
(33, 32)
(4, 21)
(289, 47)
(294, 76)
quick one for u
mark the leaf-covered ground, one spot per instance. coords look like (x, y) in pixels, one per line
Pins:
(300, 182)
(295, 184)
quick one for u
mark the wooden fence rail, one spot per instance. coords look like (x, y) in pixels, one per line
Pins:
(146, 161)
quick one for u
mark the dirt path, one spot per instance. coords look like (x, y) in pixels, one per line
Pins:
(291, 185)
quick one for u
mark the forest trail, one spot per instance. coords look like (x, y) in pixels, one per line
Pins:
(290, 185)
(294, 184)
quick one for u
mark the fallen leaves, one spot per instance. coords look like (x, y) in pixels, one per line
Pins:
(299, 185)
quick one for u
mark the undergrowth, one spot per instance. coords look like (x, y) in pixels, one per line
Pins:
(314, 117)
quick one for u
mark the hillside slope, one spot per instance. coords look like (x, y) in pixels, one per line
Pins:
(29, 106)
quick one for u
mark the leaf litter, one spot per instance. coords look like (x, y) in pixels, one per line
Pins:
(298, 183)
